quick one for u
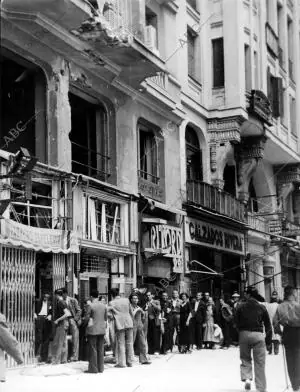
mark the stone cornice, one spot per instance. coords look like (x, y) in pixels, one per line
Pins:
(225, 130)
(252, 148)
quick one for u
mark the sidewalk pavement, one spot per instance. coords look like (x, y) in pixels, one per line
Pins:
(205, 370)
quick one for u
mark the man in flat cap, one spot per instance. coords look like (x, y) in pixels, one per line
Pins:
(251, 320)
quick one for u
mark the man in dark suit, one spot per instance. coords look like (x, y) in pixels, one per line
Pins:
(154, 324)
(197, 321)
(96, 316)
(43, 327)
(121, 310)
(74, 323)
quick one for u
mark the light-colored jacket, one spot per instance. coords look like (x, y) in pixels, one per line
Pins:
(122, 312)
(98, 313)
(288, 314)
(271, 309)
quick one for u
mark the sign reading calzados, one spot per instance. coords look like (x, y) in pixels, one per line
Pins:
(213, 236)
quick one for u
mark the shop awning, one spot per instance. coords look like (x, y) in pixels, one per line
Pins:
(156, 204)
(38, 239)
(205, 269)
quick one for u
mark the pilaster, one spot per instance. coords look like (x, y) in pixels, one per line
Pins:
(60, 151)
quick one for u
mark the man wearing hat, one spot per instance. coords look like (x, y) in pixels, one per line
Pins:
(272, 308)
(251, 320)
(235, 300)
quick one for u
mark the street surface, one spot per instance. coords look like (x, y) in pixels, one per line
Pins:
(206, 370)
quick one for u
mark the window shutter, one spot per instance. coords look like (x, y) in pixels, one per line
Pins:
(269, 85)
(191, 54)
(281, 97)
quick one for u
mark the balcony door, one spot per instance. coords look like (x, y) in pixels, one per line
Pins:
(194, 169)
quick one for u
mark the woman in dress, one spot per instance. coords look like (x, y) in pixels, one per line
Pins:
(209, 338)
(184, 332)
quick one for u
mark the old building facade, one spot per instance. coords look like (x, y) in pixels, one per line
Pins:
(166, 138)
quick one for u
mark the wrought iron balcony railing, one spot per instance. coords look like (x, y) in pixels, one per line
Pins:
(210, 197)
(257, 222)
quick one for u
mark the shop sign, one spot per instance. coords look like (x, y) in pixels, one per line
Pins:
(168, 239)
(38, 239)
(207, 234)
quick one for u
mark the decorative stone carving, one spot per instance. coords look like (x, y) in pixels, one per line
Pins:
(79, 79)
(223, 133)
(248, 154)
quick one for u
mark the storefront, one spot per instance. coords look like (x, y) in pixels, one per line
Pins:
(214, 256)
(34, 261)
(107, 254)
(161, 265)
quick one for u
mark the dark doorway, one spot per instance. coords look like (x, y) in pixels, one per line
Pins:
(229, 178)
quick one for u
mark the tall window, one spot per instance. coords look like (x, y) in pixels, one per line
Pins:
(291, 48)
(247, 68)
(191, 47)
(88, 136)
(218, 62)
(148, 157)
(293, 115)
(256, 70)
(275, 94)
(192, 3)
(151, 30)
(23, 102)
(194, 169)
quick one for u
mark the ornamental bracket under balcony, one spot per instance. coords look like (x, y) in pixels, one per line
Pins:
(260, 107)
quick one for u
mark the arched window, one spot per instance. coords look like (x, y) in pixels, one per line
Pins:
(194, 169)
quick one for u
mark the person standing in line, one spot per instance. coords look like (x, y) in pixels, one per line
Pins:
(251, 320)
(198, 310)
(123, 317)
(184, 331)
(9, 345)
(211, 315)
(164, 305)
(138, 329)
(272, 308)
(175, 302)
(154, 324)
(288, 316)
(235, 301)
(61, 322)
(43, 327)
(74, 323)
(226, 318)
(96, 320)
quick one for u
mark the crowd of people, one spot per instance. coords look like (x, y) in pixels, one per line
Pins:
(152, 325)
(145, 325)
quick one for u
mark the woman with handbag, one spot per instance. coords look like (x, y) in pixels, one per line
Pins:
(209, 338)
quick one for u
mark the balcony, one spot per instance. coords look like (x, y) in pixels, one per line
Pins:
(149, 185)
(272, 41)
(207, 196)
(257, 223)
(115, 35)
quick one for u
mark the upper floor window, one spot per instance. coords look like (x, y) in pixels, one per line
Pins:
(194, 169)
(275, 94)
(148, 154)
(218, 62)
(88, 137)
(248, 84)
(151, 30)
(23, 104)
(191, 47)
(192, 3)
